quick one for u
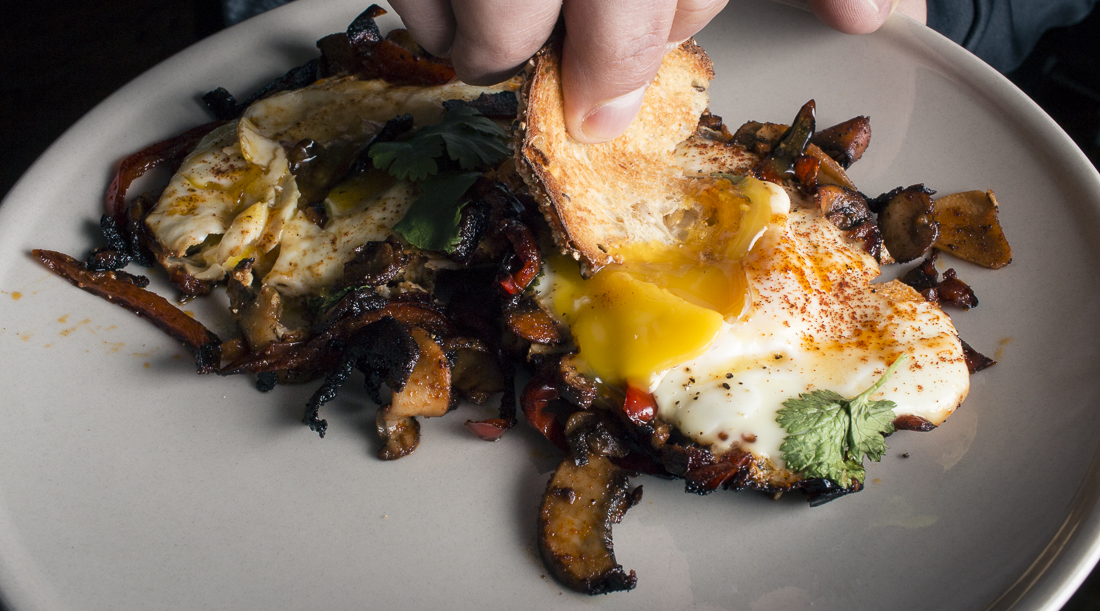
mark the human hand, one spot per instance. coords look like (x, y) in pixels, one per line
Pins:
(612, 48)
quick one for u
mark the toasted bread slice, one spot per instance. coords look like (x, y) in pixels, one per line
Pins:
(599, 197)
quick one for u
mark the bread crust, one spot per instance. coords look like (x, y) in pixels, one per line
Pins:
(598, 197)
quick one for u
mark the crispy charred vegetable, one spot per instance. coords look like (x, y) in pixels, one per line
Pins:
(426, 392)
(829, 171)
(122, 289)
(363, 51)
(520, 268)
(585, 497)
(384, 351)
(970, 229)
(503, 105)
(907, 223)
(949, 291)
(542, 391)
(847, 209)
(225, 107)
(781, 162)
(975, 361)
(911, 422)
(527, 320)
(845, 142)
(170, 151)
(375, 264)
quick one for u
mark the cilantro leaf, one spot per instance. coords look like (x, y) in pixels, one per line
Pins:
(432, 221)
(472, 140)
(472, 153)
(828, 436)
(411, 160)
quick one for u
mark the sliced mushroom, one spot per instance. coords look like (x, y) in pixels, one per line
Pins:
(573, 386)
(580, 505)
(971, 230)
(476, 373)
(400, 436)
(949, 291)
(375, 264)
(258, 313)
(844, 207)
(427, 393)
(527, 320)
(907, 223)
(383, 350)
(845, 142)
(830, 172)
(848, 209)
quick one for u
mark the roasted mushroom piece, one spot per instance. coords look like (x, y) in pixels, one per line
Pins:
(427, 393)
(587, 494)
(907, 223)
(970, 229)
(847, 209)
(845, 142)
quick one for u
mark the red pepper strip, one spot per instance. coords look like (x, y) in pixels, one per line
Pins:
(488, 430)
(203, 343)
(526, 248)
(537, 395)
(135, 166)
(724, 471)
(640, 406)
(806, 168)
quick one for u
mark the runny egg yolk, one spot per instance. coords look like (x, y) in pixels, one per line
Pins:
(664, 304)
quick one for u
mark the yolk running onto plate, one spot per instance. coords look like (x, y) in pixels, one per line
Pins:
(665, 304)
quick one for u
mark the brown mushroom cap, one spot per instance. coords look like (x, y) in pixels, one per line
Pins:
(907, 223)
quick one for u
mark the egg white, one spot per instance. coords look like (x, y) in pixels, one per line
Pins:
(235, 197)
(816, 321)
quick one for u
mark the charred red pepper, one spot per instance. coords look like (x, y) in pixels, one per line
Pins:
(640, 406)
(202, 342)
(488, 430)
(537, 396)
(171, 151)
(526, 258)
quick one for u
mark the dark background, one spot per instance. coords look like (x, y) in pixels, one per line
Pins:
(58, 61)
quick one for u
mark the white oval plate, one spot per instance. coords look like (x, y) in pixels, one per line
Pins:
(128, 482)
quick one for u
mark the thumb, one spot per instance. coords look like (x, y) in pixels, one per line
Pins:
(853, 16)
(611, 52)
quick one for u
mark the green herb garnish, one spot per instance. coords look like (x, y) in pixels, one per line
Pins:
(433, 219)
(828, 435)
(472, 140)
(470, 143)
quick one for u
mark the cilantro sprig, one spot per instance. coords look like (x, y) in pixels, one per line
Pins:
(445, 159)
(828, 436)
(467, 137)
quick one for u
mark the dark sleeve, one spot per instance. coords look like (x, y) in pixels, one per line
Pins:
(1003, 32)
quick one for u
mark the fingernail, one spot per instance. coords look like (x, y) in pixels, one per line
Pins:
(881, 6)
(611, 118)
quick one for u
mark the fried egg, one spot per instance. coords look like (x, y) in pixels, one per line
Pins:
(235, 197)
(749, 311)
